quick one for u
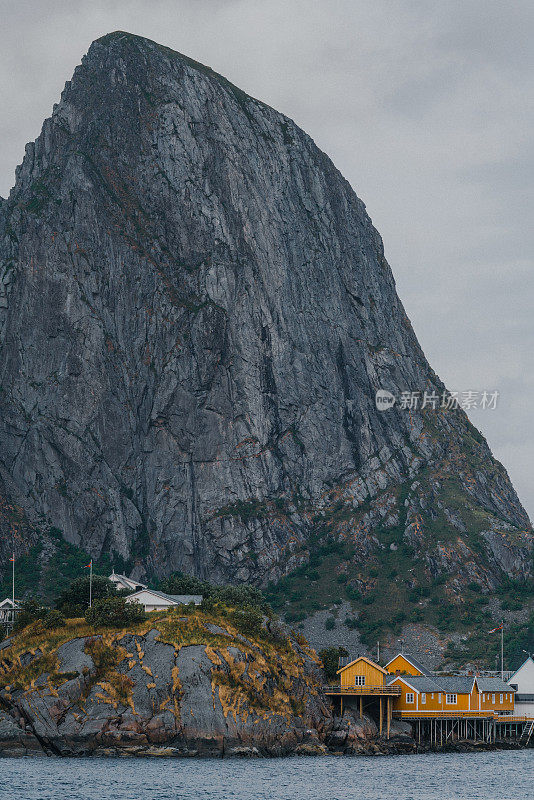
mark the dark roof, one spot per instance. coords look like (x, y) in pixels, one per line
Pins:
(492, 685)
(421, 683)
(457, 684)
(524, 698)
(413, 661)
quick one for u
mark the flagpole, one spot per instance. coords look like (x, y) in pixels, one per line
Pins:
(502, 650)
(13, 598)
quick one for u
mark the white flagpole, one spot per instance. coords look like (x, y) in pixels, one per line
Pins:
(91, 583)
(13, 598)
(502, 650)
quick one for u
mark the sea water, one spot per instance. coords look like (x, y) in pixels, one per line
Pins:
(504, 775)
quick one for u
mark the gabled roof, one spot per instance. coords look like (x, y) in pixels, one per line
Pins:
(419, 683)
(9, 602)
(510, 679)
(176, 599)
(492, 684)
(125, 581)
(362, 658)
(413, 661)
(456, 684)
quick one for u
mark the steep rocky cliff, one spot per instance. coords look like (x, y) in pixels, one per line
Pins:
(195, 316)
(175, 686)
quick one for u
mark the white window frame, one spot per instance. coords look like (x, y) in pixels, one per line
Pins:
(423, 698)
(410, 698)
(493, 699)
(451, 698)
(501, 698)
(359, 680)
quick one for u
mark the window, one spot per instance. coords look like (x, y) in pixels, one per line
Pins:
(409, 697)
(423, 697)
(359, 680)
(432, 695)
(451, 699)
(439, 697)
(500, 699)
(493, 698)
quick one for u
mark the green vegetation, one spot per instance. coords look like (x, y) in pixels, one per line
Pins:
(483, 648)
(243, 596)
(75, 598)
(113, 612)
(330, 657)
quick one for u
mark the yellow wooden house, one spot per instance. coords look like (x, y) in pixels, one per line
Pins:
(361, 671)
(361, 680)
(403, 664)
(424, 696)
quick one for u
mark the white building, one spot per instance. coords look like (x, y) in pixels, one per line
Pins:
(122, 582)
(159, 601)
(8, 611)
(522, 681)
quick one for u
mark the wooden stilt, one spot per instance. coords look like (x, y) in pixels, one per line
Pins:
(389, 713)
(341, 705)
(380, 717)
(361, 707)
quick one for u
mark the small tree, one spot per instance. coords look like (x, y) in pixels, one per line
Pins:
(330, 657)
(114, 612)
(178, 583)
(30, 611)
(75, 598)
(248, 620)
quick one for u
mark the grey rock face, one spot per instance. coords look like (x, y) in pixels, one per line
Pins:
(195, 315)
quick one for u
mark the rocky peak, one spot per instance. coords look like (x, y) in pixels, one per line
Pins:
(195, 316)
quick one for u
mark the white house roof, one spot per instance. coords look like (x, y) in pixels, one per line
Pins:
(172, 599)
(8, 603)
(524, 664)
(125, 582)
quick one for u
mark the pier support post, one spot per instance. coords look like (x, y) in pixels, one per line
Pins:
(381, 715)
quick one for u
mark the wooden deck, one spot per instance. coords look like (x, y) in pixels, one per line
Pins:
(363, 691)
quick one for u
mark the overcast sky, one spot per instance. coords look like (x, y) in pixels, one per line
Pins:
(425, 107)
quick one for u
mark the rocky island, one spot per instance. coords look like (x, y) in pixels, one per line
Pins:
(181, 684)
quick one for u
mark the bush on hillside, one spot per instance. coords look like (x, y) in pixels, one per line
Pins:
(330, 657)
(75, 598)
(248, 620)
(54, 619)
(114, 612)
(31, 610)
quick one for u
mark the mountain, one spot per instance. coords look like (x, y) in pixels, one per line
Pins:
(195, 316)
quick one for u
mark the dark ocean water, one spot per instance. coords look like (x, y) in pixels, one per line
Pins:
(491, 776)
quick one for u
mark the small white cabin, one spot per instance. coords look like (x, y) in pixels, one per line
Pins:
(522, 681)
(122, 582)
(159, 601)
(8, 611)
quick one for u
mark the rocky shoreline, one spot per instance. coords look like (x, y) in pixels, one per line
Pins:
(178, 686)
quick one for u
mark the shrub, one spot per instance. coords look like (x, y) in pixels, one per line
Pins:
(342, 578)
(351, 623)
(330, 657)
(330, 623)
(76, 597)
(54, 619)
(295, 616)
(114, 612)
(30, 611)
(248, 620)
